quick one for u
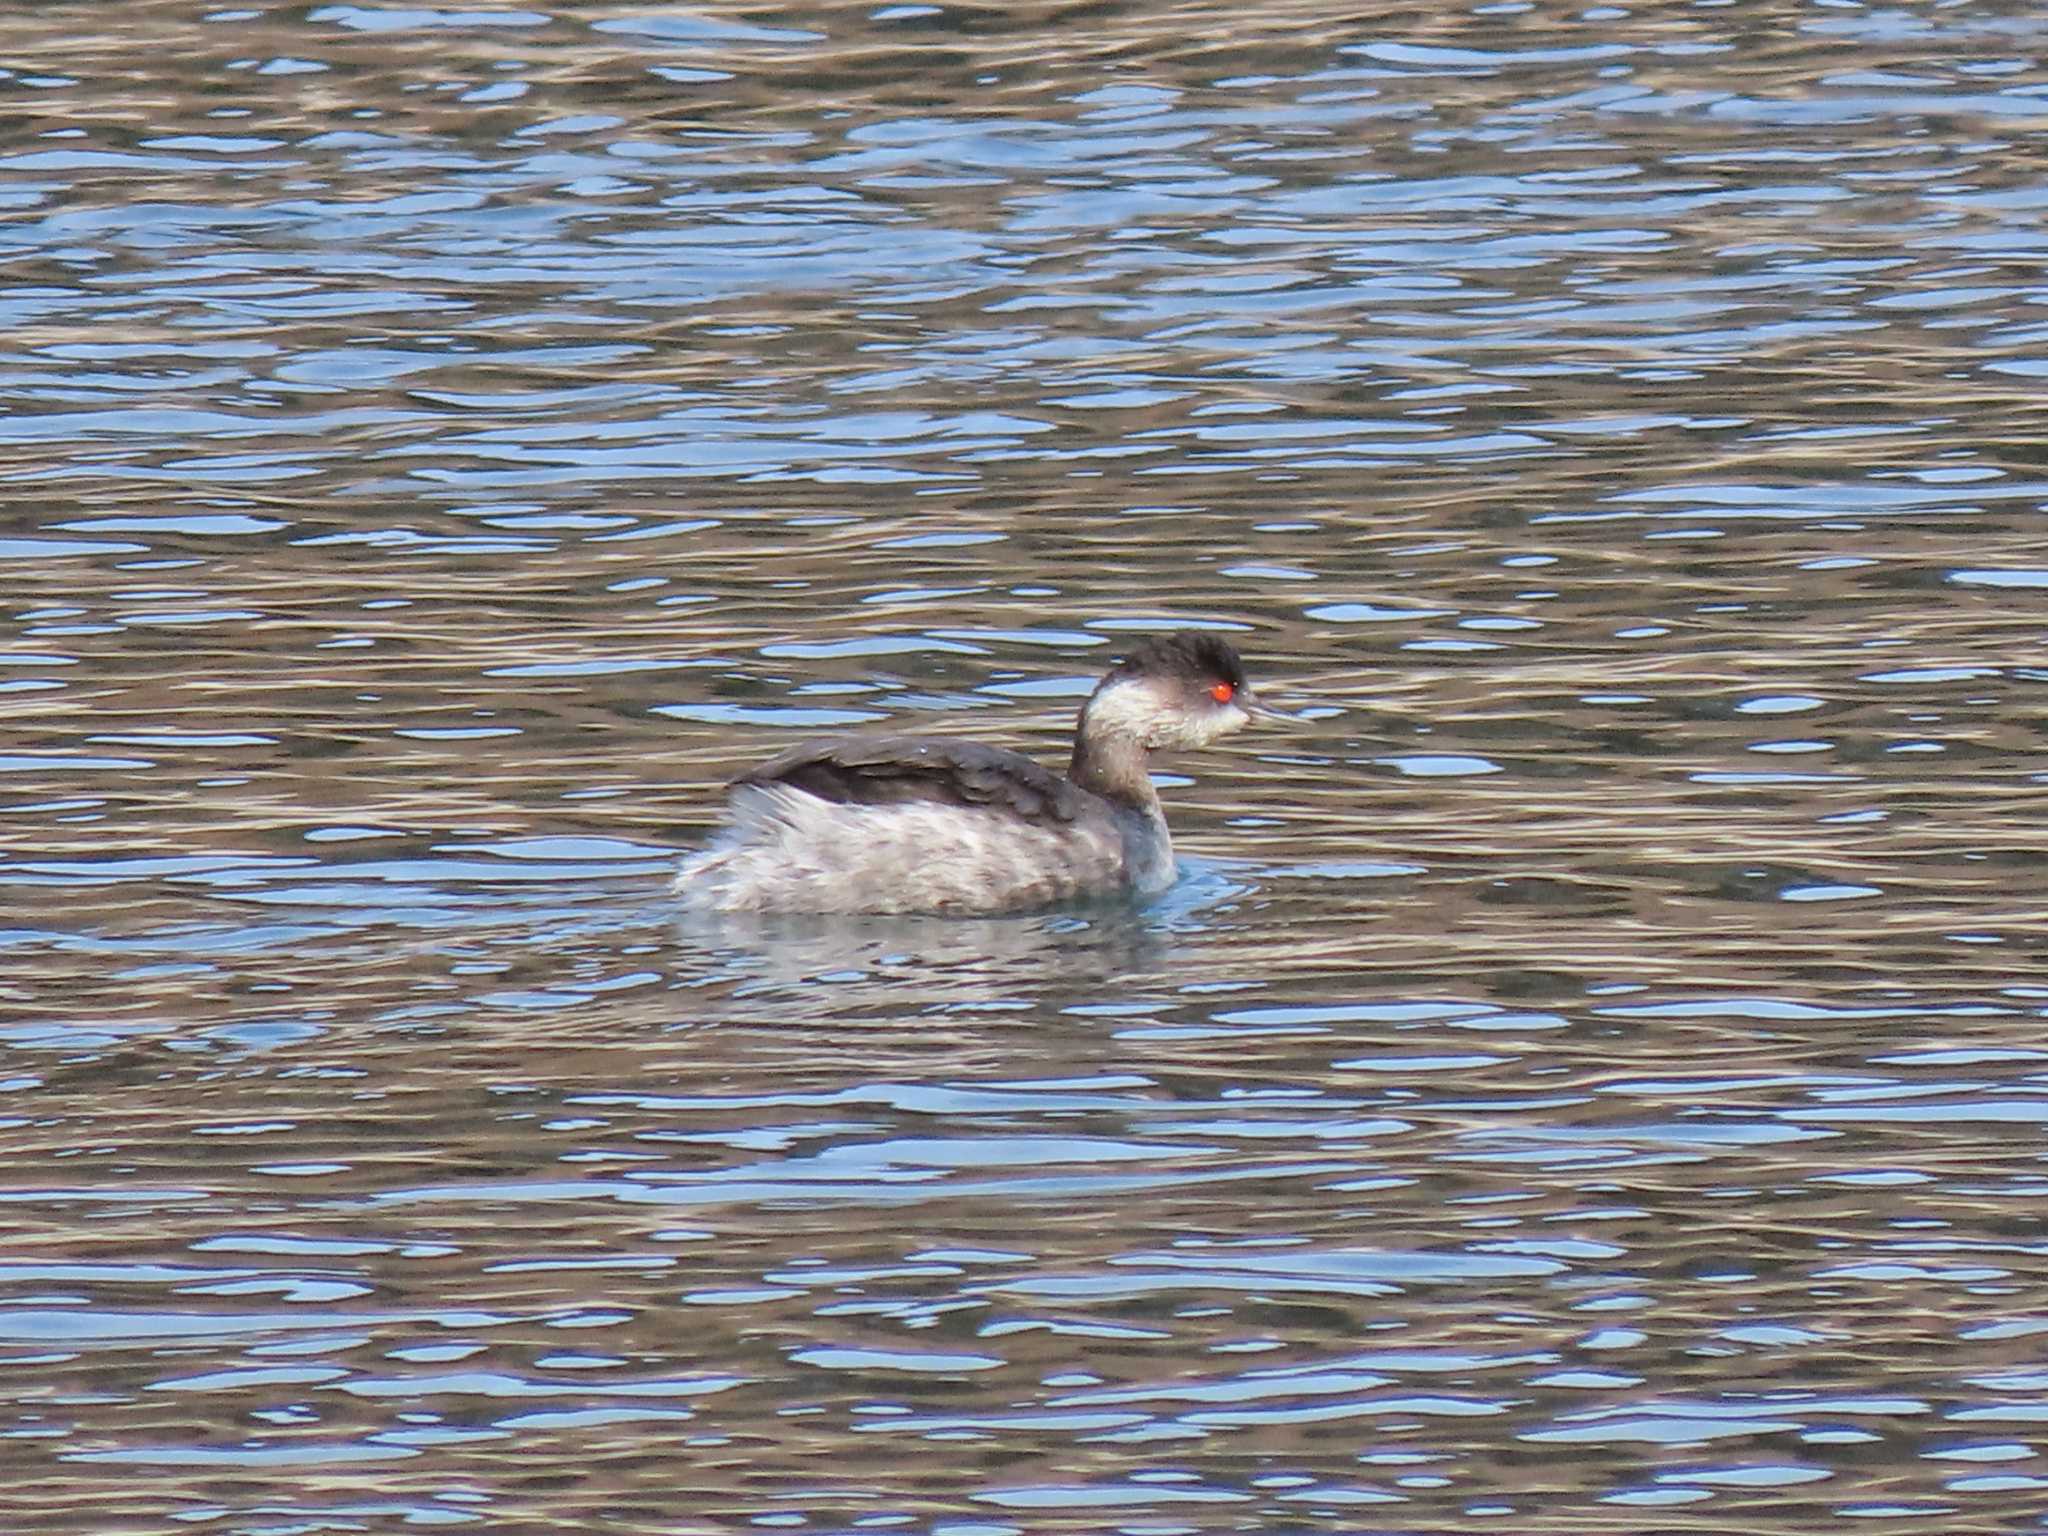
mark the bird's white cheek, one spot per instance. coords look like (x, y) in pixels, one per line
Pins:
(1200, 730)
(1223, 721)
(1128, 709)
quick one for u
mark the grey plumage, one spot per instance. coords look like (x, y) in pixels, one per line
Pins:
(789, 851)
(923, 824)
(902, 770)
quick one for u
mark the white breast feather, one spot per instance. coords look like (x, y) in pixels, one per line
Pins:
(787, 851)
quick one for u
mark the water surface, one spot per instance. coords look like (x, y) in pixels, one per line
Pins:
(1590, 1078)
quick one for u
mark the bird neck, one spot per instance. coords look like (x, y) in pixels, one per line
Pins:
(1112, 764)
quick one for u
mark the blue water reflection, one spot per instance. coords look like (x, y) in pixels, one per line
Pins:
(1591, 1074)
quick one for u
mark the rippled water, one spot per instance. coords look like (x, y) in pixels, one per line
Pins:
(1592, 1078)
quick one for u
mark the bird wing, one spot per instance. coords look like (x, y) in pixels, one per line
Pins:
(921, 770)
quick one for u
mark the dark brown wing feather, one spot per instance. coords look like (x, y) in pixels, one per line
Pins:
(922, 770)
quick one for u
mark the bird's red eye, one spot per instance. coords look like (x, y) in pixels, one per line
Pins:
(1222, 693)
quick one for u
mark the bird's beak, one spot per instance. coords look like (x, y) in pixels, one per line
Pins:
(1263, 712)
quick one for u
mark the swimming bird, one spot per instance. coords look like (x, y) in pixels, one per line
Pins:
(879, 823)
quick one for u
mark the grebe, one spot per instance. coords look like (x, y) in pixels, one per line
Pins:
(922, 824)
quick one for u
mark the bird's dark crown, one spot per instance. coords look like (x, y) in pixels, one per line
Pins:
(1186, 655)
